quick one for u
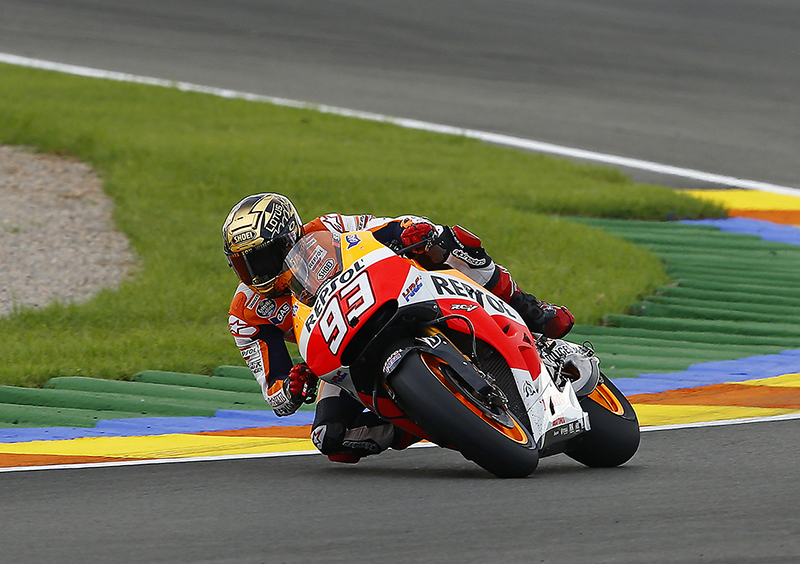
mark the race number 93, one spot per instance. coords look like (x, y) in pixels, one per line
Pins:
(347, 304)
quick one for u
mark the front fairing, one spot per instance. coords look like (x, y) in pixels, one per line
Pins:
(329, 313)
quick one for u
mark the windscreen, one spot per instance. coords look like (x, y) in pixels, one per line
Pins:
(314, 259)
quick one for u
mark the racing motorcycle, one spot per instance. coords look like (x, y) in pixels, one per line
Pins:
(439, 356)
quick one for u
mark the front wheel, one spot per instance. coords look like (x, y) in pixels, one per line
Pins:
(614, 435)
(430, 393)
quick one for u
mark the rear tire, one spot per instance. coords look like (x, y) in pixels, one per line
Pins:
(614, 435)
(452, 420)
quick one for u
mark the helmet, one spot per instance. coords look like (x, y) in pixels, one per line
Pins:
(258, 234)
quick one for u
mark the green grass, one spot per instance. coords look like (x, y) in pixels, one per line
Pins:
(176, 162)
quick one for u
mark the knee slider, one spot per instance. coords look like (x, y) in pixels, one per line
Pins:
(328, 437)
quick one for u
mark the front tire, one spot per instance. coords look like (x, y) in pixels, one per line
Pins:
(452, 418)
(614, 435)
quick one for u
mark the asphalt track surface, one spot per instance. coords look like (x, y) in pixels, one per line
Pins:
(710, 85)
(720, 494)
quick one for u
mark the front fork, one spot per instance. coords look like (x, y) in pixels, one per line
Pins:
(555, 414)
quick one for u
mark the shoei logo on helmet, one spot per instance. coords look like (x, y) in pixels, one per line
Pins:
(242, 237)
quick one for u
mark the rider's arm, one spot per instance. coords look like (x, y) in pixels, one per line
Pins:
(256, 324)
(450, 247)
(338, 223)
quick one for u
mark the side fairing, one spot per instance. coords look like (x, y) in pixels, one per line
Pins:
(344, 304)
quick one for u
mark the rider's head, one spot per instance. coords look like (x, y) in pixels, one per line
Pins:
(258, 234)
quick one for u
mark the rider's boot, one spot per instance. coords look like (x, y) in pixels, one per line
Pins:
(540, 317)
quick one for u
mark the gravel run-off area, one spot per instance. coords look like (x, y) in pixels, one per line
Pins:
(57, 238)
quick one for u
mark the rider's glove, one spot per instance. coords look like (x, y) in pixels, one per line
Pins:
(560, 323)
(301, 385)
(417, 233)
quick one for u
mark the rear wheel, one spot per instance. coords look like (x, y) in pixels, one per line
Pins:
(614, 435)
(453, 415)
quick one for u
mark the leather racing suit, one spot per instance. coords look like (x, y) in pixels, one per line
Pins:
(342, 429)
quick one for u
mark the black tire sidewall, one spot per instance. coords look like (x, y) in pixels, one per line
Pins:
(613, 439)
(449, 423)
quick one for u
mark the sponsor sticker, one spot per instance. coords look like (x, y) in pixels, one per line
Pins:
(392, 361)
(237, 327)
(252, 350)
(340, 375)
(279, 317)
(433, 341)
(266, 307)
(318, 436)
(241, 237)
(326, 268)
(412, 288)
(352, 240)
(470, 260)
(464, 307)
(528, 389)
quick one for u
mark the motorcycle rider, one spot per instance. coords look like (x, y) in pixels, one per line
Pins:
(258, 234)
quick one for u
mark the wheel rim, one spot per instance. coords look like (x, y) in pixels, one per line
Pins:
(604, 397)
(500, 420)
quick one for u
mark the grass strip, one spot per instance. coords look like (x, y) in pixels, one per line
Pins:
(223, 399)
(657, 342)
(680, 333)
(241, 372)
(697, 355)
(739, 306)
(682, 292)
(694, 242)
(648, 363)
(651, 309)
(105, 402)
(16, 415)
(702, 283)
(175, 162)
(737, 274)
(743, 330)
(725, 261)
(198, 381)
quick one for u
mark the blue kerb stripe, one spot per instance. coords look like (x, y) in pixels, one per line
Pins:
(716, 372)
(224, 420)
(767, 230)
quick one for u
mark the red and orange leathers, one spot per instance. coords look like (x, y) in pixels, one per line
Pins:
(260, 325)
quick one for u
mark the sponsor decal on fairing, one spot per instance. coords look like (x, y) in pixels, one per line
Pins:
(450, 286)
(326, 268)
(412, 289)
(352, 240)
(392, 361)
(433, 341)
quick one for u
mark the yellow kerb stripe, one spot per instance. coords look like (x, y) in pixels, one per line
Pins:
(748, 199)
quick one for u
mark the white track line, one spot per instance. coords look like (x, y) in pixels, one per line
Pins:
(496, 138)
